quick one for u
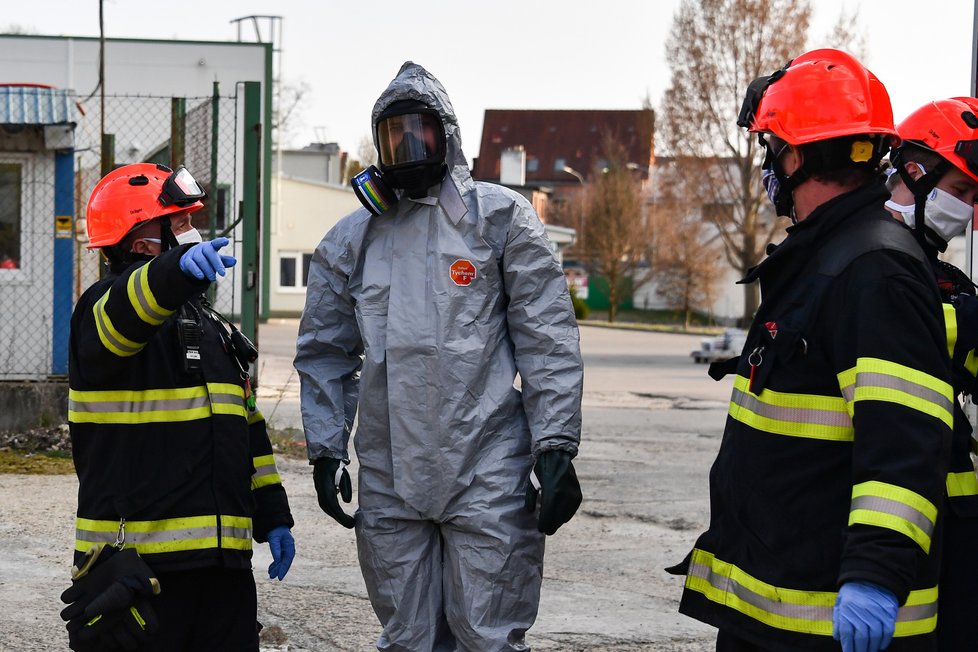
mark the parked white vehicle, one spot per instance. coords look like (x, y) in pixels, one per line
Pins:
(720, 347)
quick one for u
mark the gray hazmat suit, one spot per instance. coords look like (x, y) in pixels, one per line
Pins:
(421, 318)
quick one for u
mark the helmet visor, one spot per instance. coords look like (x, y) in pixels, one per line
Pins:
(181, 189)
(410, 138)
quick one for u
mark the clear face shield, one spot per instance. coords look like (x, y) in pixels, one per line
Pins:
(410, 138)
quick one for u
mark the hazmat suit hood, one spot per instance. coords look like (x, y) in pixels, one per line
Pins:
(413, 82)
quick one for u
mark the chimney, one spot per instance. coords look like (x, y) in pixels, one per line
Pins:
(512, 166)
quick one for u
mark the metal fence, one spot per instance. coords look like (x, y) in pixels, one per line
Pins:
(202, 133)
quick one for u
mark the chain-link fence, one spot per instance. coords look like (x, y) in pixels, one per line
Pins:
(201, 133)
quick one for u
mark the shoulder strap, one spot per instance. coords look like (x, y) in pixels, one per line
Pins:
(870, 235)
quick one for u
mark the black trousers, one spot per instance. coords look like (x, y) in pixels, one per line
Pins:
(206, 610)
(727, 642)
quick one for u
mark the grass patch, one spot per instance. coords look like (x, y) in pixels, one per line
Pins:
(288, 442)
(43, 463)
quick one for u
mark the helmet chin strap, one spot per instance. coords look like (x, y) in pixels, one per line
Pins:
(920, 188)
(167, 239)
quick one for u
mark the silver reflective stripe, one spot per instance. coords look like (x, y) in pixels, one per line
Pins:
(917, 612)
(155, 405)
(888, 381)
(795, 414)
(728, 585)
(106, 331)
(144, 300)
(267, 469)
(221, 398)
(235, 532)
(96, 537)
(159, 536)
(894, 508)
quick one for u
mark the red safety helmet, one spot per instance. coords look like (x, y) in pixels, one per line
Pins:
(824, 94)
(948, 128)
(137, 193)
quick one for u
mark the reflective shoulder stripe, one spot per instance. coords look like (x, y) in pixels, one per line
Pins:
(964, 483)
(111, 338)
(138, 406)
(796, 415)
(873, 379)
(950, 326)
(265, 472)
(895, 508)
(168, 535)
(142, 299)
(805, 612)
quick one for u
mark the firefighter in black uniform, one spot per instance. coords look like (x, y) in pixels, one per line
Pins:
(825, 490)
(938, 163)
(175, 468)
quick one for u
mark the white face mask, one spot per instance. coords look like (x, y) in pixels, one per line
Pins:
(190, 236)
(944, 213)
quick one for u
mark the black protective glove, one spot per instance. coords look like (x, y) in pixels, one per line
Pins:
(108, 601)
(554, 481)
(332, 479)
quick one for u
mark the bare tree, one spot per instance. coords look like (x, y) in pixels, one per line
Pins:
(287, 114)
(847, 35)
(614, 232)
(686, 261)
(715, 49)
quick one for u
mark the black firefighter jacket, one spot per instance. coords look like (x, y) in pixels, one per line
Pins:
(176, 457)
(834, 456)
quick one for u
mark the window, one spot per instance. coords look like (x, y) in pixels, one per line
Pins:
(560, 164)
(532, 165)
(10, 215)
(289, 270)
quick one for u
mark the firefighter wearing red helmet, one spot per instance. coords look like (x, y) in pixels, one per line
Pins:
(175, 468)
(935, 173)
(825, 491)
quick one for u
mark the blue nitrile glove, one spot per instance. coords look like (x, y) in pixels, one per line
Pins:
(864, 617)
(282, 545)
(202, 260)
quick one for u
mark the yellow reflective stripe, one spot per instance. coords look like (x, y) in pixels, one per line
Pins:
(964, 483)
(806, 612)
(895, 508)
(265, 472)
(138, 406)
(873, 379)
(138, 617)
(950, 326)
(797, 415)
(167, 535)
(227, 398)
(255, 417)
(142, 299)
(971, 363)
(111, 338)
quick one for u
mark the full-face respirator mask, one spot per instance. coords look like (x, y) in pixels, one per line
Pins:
(411, 144)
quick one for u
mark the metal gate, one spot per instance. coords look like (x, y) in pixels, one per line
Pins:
(209, 135)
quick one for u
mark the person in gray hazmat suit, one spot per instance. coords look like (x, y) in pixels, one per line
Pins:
(421, 310)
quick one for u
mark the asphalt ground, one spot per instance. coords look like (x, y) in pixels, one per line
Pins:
(652, 425)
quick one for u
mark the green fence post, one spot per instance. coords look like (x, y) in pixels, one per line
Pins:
(178, 131)
(251, 209)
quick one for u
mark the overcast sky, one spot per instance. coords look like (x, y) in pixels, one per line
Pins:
(504, 54)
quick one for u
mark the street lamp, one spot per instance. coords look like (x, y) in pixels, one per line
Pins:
(574, 173)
